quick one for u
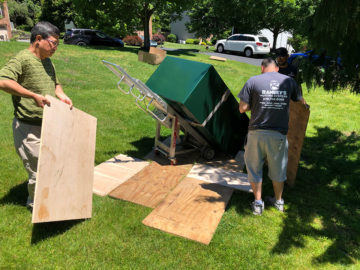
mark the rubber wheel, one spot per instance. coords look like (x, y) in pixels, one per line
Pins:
(173, 162)
(220, 49)
(208, 153)
(81, 43)
(248, 52)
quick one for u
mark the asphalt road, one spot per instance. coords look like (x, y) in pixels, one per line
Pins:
(252, 61)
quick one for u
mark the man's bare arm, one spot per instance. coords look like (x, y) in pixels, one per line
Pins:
(13, 88)
(243, 107)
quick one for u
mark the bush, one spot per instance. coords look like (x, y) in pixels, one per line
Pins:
(208, 42)
(189, 41)
(172, 38)
(203, 43)
(159, 38)
(133, 40)
(196, 41)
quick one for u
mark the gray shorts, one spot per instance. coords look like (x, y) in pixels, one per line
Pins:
(266, 145)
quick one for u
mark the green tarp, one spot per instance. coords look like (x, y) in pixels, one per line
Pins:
(194, 90)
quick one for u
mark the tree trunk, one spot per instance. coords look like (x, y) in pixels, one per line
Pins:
(276, 33)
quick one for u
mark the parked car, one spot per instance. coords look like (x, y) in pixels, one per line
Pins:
(83, 37)
(153, 43)
(248, 44)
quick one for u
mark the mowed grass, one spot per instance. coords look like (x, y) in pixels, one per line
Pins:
(319, 230)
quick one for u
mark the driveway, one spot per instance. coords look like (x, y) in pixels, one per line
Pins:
(247, 60)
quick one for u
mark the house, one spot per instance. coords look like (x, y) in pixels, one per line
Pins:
(178, 28)
(5, 29)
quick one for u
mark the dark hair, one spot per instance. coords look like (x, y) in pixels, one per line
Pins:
(281, 52)
(44, 29)
(268, 61)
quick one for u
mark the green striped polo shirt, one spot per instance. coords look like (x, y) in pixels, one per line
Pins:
(33, 74)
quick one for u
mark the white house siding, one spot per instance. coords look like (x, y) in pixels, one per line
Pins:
(282, 39)
(179, 28)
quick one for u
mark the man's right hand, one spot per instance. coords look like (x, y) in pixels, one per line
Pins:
(41, 101)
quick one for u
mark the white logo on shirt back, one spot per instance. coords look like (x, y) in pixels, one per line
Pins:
(274, 85)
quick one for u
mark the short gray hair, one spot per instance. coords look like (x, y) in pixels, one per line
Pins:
(44, 29)
(268, 62)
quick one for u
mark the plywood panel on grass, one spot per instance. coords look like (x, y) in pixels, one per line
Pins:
(221, 176)
(192, 210)
(115, 171)
(66, 164)
(299, 118)
(151, 185)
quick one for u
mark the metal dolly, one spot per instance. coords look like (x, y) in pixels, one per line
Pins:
(165, 115)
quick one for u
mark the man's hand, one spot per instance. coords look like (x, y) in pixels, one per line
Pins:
(62, 96)
(40, 100)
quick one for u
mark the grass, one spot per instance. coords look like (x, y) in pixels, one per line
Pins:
(320, 229)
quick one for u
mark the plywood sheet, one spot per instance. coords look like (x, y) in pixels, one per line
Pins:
(192, 210)
(151, 185)
(115, 171)
(66, 164)
(220, 176)
(299, 117)
(218, 58)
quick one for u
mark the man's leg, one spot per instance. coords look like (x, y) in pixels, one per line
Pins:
(257, 190)
(27, 143)
(278, 189)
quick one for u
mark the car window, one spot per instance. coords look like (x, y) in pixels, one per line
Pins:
(76, 32)
(88, 33)
(234, 38)
(263, 39)
(100, 35)
(250, 38)
(242, 38)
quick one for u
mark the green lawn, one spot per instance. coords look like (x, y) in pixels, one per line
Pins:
(320, 229)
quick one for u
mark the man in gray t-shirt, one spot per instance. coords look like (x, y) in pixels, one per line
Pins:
(267, 96)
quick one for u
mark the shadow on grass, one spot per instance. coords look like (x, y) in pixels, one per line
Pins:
(17, 195)
(325, 203)
(135, 50)
(43, 231)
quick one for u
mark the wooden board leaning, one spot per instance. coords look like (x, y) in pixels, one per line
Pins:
(66, 164)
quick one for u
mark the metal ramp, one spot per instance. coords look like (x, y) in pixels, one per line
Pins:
(165, 115)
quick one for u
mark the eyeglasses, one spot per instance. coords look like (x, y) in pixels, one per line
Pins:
(54, 43)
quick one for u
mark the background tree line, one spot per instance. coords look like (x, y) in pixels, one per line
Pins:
(330, 27)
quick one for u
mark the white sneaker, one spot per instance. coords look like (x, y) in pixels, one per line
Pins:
(29, 203)
(257, 208)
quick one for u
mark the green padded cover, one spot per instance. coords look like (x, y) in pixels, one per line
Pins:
(193, 89)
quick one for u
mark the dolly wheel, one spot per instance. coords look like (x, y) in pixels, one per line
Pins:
(173, 162)
(156, 152)
(208, 153)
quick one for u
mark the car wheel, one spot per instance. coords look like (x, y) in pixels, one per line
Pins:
(220, 48)
(81, 43)
(248, 52)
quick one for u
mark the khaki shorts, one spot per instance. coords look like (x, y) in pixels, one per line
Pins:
(266, 145)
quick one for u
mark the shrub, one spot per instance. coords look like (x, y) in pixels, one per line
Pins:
(159, 38)
(172, 38)
(203, 43)
(196, 41)
(208, 42)
(133, 40)
(189, 41)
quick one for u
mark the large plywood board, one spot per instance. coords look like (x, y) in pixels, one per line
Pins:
(115, 171)
(66, 164)
(192, 210)
(299, 118)
(151, 185)
(220, 176)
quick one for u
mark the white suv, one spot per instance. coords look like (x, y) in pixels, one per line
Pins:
(247, 44)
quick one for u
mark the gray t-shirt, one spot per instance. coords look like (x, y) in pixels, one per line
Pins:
(269, 95)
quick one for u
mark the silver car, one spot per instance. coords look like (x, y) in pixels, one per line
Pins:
(248, 44)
